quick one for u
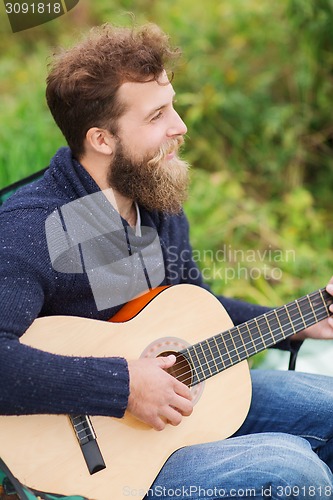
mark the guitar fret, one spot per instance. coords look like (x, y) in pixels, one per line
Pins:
(239, 344)
(259, 330)
(230, 345)
(213, 356)
(210, 359)
(278, 320)
(216, 355)
(197, 353)
(227, 344)
(226, 359)
(312, 309)
(229, 332)
(283, 322)
(300, 314)
(195, 366)
(324, 303)
(289, 319)
(248, 339)
(307, 313)
(270, 329)
(243, 343)
(207, 370)
(219, 351)
(273, 328)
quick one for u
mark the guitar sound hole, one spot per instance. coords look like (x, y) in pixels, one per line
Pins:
(181, 370)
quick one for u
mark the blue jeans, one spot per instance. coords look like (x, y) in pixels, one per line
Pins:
(284, 449)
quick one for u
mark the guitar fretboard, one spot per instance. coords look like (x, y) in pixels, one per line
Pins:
(211, 356)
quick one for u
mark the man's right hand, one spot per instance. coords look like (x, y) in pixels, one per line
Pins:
(156, 397)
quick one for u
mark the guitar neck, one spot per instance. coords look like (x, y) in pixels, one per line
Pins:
(221, 351)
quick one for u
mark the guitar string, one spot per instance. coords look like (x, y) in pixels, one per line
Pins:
(268, 334)
(251, 343)
(249, 331)
(270, 331)
(290, 325)
(83, 428)
(227, 361)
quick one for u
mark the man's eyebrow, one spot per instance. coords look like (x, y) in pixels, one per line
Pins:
(159, 108)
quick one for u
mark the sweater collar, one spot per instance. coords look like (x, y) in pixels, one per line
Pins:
(70, 176)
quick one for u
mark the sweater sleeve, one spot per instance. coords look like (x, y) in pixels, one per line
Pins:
(31, 380)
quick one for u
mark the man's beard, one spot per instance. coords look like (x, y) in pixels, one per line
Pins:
(155, 182)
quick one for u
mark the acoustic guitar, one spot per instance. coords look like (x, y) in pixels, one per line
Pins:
(106, 458)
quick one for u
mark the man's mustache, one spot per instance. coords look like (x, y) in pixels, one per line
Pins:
(167, 148)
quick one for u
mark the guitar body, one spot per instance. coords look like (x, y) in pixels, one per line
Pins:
(43, 451)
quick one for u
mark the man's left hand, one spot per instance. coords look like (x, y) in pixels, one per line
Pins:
(321, 330)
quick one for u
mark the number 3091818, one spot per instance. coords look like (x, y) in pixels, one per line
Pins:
(33, 8)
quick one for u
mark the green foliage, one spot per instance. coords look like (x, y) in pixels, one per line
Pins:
(247, 247)
(28, 134)
(255, 89)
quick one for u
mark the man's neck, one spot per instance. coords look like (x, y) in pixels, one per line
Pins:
(124, 206)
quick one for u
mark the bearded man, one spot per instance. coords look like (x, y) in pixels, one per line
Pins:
(112, 97)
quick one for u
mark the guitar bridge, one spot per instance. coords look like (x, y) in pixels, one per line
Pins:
(86, 437)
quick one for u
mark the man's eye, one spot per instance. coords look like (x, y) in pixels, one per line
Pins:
(156, 117)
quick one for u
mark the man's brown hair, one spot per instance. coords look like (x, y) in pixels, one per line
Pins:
(83, 81)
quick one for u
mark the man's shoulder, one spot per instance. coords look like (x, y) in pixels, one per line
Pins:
(37, 196)
(43, 195)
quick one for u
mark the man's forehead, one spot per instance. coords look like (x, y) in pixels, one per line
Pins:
(144, 97)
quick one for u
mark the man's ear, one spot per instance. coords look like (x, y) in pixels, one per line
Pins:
(100, 140)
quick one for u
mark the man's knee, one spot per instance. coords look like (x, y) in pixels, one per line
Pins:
(293, 468)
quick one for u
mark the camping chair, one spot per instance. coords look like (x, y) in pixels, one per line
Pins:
(6, 192)
(9, 190)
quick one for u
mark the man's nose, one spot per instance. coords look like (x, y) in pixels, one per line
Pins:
(177, 126)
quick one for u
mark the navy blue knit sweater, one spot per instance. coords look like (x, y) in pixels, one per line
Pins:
(32, 381)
